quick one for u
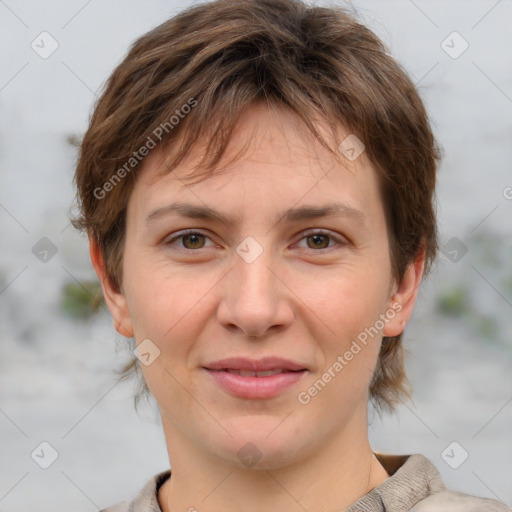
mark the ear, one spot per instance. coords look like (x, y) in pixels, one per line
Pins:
(404, 297)
(114, 298)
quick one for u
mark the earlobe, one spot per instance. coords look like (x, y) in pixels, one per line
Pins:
(114, 298)
(404, 298)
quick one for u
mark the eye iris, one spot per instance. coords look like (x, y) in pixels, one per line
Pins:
(318, 240)
(194, 237)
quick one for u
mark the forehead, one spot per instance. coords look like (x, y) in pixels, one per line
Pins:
(271, 157)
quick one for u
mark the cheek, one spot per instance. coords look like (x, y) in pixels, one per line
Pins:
(161, 300)
(348, 307)
(165, 308)
(350, 347)
(346, 300)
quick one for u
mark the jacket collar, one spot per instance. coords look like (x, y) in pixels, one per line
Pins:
(412, 479)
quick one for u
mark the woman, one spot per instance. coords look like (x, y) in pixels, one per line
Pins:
(257, 184)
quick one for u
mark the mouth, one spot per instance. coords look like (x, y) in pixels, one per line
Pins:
(271, 364)
(251, 373)
(264, 378)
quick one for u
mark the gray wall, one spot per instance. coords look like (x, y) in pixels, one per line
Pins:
(56, 380)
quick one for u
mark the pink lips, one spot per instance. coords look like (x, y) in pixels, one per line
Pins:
(250, 378)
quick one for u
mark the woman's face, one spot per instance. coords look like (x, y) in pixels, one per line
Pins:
(270, 279)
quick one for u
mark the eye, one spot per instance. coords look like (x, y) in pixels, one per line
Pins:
(194, 240)
(320, 240)
(190, 240)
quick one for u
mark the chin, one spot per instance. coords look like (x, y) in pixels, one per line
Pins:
(260, 442)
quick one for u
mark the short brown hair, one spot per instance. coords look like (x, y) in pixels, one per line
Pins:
(319, 62)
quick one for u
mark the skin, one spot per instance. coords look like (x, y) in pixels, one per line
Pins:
(198, 301)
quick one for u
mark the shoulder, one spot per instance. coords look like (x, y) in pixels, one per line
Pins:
(415, 485)
(454, 501)
(146, 500)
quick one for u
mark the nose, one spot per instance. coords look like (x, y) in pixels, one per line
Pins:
(255, 298)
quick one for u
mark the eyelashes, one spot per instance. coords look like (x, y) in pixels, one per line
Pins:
(195, 235)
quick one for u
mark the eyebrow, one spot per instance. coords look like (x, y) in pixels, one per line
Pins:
(292, 215)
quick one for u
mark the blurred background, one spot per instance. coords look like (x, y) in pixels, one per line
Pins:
(70, 436)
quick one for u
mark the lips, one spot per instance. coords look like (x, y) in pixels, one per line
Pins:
(255, 379)
(266, 364)
(250, 373)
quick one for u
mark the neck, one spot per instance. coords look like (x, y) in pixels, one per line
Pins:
(333, 477)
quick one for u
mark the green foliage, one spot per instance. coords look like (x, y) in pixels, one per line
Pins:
(486, 327)
(454, 302)
(81, 300)
(478, 296)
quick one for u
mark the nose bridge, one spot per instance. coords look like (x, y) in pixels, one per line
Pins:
(251, 300)
(252, 264)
